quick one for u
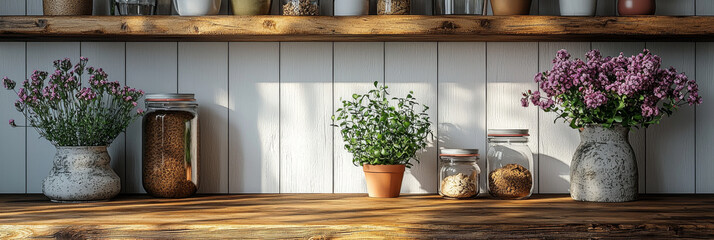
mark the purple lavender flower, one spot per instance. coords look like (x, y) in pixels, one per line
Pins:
(8, 84)
(12, 123)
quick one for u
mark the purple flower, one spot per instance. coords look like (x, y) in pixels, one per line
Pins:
(140, 111)
(12, 123)
(8, 84)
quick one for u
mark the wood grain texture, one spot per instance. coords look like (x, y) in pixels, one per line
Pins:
(40, 152)
(462, 99)
(254, 117)
(110, 57)
(558, 140)
(151, 67)
(671, 144)
(412, 67)
(637, 136)
(354, 216)
(306, 154)
(360, 28)
(203, 70)
(357, 66)
(12, 140)
(12, 7)
(675, 7)
(510, 70)
(704, 113)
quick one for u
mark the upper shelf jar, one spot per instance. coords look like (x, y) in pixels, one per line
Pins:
(300, 7)
(393, 7)
(459, 7)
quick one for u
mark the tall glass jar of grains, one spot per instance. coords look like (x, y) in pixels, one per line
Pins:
(170, 145)
(509, 163)
(459, 173)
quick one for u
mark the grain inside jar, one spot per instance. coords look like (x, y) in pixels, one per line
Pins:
(170, 149)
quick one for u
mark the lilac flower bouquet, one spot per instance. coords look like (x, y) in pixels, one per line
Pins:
(69, 112)
(631, 91)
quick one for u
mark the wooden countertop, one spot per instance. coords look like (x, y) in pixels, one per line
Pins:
(355, 216)
(358, 28)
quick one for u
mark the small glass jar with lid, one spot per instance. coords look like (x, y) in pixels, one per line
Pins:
(459, 173)
(510, 164)
(170, 159)
(300, 7)
(459, 7)
(393, 7)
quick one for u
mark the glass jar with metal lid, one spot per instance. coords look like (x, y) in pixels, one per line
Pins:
(170, 145)
(510, 164)
(459, 173)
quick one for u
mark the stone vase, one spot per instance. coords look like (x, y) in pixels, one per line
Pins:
(81, 174)
(604, 168)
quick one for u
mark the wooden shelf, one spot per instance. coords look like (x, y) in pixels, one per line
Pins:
(356, 216)
(363, 28)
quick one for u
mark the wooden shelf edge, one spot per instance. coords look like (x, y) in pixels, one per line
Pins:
(354, 29)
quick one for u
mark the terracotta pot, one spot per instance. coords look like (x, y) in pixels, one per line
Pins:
(511, 7)
(67, 7)
(384, 181)
(636, 7)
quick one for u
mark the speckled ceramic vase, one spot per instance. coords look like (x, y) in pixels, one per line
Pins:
(604, 168)
(81, 174)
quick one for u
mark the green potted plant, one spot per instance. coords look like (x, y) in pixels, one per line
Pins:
(383, 136)
(80, 117)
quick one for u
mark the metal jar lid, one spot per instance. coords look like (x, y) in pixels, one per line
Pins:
(456, 152)
(169, 97)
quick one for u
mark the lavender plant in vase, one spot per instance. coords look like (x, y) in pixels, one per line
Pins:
(604, 97)
(80, 117)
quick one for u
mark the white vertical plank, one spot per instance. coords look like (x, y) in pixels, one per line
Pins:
(413, 67)
(150, 67)
(34, 7)
(203, 70)
(704, 114)
(40, 152)
(12, 7)
(607, 8)
(254, 117)
(110, 57)
(670, 145)
(462, 99)
(704, 7)
(558, 140)
(12, 140)
(675, 7)
(306, 155)
(510, 71)
(357, 67)
(637, 136)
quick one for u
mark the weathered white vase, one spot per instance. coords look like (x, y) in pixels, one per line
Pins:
(578, 7)
(604, 168)
(81, 174)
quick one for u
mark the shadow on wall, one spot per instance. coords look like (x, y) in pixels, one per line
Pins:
(555, 178)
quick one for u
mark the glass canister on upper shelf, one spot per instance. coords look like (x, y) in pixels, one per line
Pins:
(459, 173)
(509, 164)
(459, 7)
(393, 7)
(351, 7)
(170, 159)
(300, 7)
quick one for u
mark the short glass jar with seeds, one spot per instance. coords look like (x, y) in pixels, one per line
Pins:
(170, 145)
(393, 7)
(300, 7)
(459, 173)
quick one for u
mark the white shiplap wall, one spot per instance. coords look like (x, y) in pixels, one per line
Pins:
(265, 107)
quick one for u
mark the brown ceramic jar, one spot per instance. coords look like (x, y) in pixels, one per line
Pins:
(510, 7)
(636, 7)
(67, 7)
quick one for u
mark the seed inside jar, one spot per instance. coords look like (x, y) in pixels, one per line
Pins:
(393, 7)
(167, 158)
(301, 8)
(512, 181)
(459, 186)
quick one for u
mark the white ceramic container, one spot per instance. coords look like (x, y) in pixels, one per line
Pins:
(578, 7)
(351, 7)
(197, 7)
